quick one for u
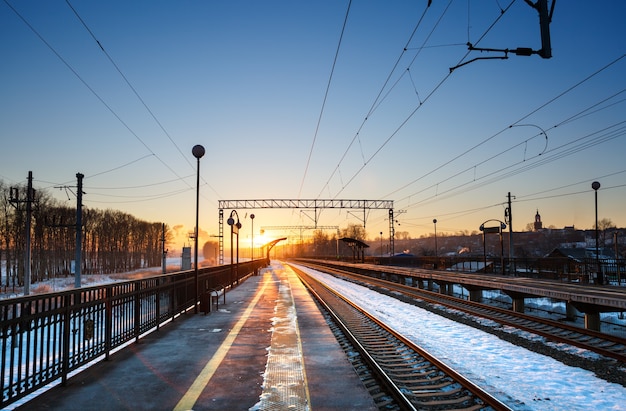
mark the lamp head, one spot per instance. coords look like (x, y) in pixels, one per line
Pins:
(197, 151)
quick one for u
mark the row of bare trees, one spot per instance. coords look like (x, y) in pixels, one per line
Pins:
(112, 241)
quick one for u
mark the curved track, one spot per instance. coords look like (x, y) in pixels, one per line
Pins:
(600, 343)
(410, 375)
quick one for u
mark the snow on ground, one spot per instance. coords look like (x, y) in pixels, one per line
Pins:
(87, 280)
(546, 385)
(522, 379)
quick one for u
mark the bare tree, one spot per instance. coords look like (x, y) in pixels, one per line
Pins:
(403, 235)
(112, 241)
(604, 225)
(354, 231)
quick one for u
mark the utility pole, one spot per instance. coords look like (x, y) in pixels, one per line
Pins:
(79, 228)
(29, 214)
(545, 18)
(14, 199)
(508, 218)
(163, 250)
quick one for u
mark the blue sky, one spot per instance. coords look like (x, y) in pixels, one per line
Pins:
(289, 103)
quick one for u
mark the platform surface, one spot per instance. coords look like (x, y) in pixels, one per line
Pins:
(267, 348)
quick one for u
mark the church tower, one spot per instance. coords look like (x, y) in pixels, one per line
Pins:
(538, 223)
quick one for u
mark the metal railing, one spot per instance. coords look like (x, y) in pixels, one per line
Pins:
(584, 271)
(46, 337)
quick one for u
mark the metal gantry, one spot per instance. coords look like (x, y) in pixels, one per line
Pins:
(315, 205)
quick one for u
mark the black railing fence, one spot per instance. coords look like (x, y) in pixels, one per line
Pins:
(46, 337)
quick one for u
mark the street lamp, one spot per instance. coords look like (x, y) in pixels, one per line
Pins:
(436, 254)
(596, 185)
(198, 152)
(381, 245)
(234, 229)
(252, 241)
(435, 223)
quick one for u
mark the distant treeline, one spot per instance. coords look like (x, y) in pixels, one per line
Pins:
(112, 241)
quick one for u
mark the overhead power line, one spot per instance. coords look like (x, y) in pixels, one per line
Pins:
(78, 76)
(413, 112)
(516, 123)
(319, 119)
(374, 104)
(167, 134)
(128, 83)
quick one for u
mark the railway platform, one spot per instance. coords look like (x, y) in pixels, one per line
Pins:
(267, 347)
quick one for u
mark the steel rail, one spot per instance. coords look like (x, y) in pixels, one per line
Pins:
(403, 402)
(600, 343)
(419, 394)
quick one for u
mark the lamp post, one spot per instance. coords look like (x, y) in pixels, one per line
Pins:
(435, 223)
(381, 245)
(600, 280)
(436, 253)
(234, 229)
(252, 241)
(198, 152)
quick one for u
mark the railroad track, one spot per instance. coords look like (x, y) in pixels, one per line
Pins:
(603, 344)
(406, 376)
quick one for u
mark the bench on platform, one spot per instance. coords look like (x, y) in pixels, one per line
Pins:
(212, 297)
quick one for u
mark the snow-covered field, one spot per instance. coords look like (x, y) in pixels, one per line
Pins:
(521, 378)
(87, 280)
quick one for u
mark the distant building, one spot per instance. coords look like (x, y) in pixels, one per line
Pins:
(186, 259)
(538, 224)
(579, 254)
(576, 254)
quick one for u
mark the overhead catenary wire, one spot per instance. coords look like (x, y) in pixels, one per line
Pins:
(347, 171)
(517, 122)
(523, 197)
(139, 199)
(128, 83)
(410, 115)
(374, 103)
(378, 101)
(139, 186)
(610, 132)
(498, 176)
(319, 119)
(135, 92)
(526, 198)
(84, 82)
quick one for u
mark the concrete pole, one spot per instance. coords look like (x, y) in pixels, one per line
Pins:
(27, 254)
(79, 229)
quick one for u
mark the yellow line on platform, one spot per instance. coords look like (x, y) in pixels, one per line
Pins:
(193, 393)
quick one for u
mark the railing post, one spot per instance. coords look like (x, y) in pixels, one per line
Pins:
(137, 287)
(67, 319)
(157, 304)
(108, 322)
